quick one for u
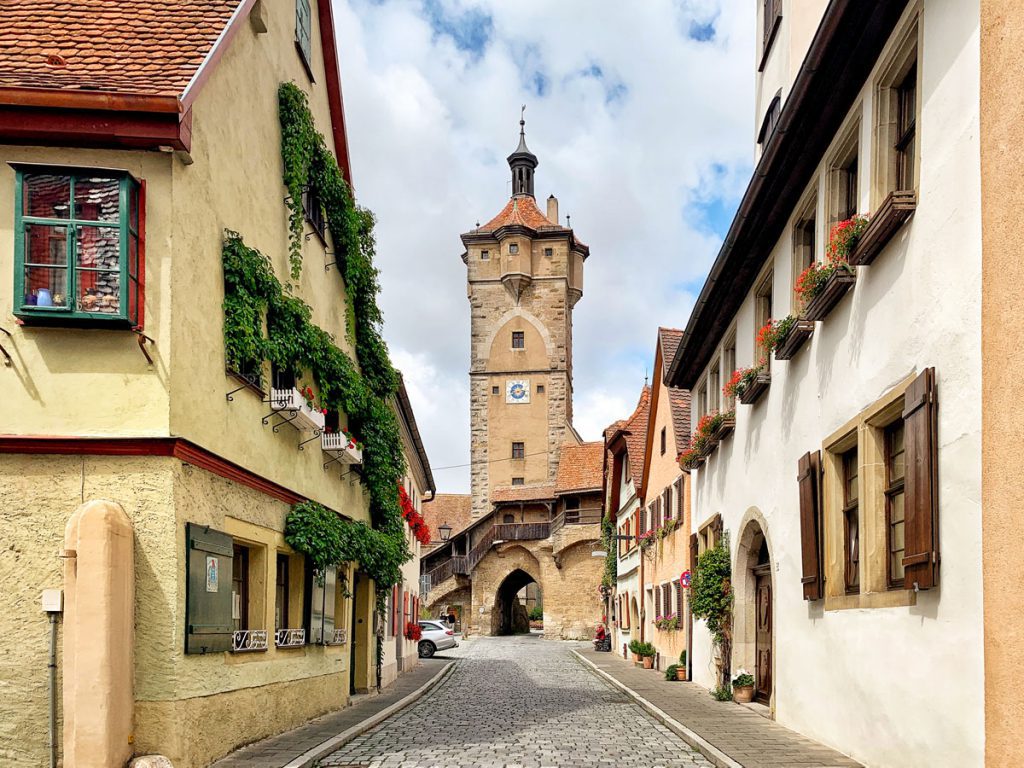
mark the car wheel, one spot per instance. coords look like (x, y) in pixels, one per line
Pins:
(426, 649)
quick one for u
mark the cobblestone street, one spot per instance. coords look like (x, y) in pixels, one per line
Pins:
(518, 701)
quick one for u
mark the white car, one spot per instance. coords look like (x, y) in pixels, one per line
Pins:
(436, 637)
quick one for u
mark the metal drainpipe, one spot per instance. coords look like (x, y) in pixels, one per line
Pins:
(53, 689)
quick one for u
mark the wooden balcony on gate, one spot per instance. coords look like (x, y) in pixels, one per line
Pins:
(521, 531)
(583, 516)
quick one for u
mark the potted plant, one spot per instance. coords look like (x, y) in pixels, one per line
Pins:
(413, 631)
(822, 284)
(634, 648)
(681, 666)
(647, 652)
(672, 673)
(742, 687)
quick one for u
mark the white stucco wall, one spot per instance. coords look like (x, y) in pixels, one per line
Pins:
(903, 686)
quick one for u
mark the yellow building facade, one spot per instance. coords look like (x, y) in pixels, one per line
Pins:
(123, 398)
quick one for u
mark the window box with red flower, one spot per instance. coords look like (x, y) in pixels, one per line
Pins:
(748, 384)
(823, 284)
(413, 519)
(413, 631)
(885, 223)
(299, 407)
(790, 335)
(342, 446)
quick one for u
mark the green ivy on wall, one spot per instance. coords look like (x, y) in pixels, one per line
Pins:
(610, 544)
(711, 600)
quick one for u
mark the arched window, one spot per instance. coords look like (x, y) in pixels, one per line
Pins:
(771, 120)
(508, 519)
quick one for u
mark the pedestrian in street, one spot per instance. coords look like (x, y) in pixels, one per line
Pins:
(451, 617)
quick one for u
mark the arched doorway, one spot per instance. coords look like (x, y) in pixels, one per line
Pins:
(510, 612)
(755, 608)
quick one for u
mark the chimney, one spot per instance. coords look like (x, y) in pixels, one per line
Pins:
(553, 209)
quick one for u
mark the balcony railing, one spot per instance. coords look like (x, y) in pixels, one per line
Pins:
(338, 637)
(249, 640)
(342, 448)
(447, 569)
(289, 638)
(293, 408)
(583, 516)
(521, 531)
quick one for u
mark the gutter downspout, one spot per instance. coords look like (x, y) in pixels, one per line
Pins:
(52, 666)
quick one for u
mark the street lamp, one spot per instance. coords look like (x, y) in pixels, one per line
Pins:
(446, 532)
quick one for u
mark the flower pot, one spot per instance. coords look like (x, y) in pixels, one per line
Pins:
(648, 662)
(636, 658)
(743, 694)
(681, 673)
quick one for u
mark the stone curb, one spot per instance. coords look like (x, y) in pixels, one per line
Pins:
(702, 745)
(307, 758)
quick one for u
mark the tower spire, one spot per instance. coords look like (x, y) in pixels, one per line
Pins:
(522, 162)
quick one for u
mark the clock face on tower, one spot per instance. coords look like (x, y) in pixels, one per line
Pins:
(517, 391)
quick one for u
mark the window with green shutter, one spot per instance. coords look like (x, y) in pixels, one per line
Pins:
(209, 590)
(303, 33)
(79, 240)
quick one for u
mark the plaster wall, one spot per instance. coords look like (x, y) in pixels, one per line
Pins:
(1002, 135)
(627, 581)
(237, 157)
(918, 305)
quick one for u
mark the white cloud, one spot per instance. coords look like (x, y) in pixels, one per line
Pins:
(636, 123)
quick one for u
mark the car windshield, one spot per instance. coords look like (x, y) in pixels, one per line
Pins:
(430, 625)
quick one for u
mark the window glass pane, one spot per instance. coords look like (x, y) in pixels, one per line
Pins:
(897, 468)
(99, 292)
(97, 198)
(45, 244)
(46, 286)
(896, 542)
(46, 195)
(98, 247)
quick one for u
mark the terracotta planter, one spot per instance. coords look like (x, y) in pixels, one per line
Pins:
(648, 662)
(743, 694)
(681, 673)
(636, 658)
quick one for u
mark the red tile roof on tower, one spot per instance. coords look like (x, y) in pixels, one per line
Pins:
(636, 435)
(151, 47)
(447, 508)
(679, 399)
(523, 211)
(580, 467)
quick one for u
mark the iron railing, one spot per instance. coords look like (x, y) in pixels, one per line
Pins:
(289, 638)
(249, 640)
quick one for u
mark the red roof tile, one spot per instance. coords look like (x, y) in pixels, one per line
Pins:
(523, 493)
(447, 508)
(669, 339)
(580, 467)
(679, 399)
(151, 47)
(636, 435)
(523, 211)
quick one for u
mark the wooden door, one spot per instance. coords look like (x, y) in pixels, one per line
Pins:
(763, 639)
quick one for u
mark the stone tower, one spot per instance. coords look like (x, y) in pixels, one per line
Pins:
(525, 275)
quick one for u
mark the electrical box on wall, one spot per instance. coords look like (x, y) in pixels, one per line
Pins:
(53, 600)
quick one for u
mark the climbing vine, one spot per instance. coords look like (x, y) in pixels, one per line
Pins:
(294, 343)
(711, 600)
(310, 168)
(611, 563)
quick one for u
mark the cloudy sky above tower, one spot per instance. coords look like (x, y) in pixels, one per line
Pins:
(642, 117)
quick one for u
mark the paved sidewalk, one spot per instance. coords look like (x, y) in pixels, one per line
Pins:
(279, 751)
(744, 736)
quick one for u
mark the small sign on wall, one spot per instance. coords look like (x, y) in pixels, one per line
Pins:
(212, 573)
(517, 391)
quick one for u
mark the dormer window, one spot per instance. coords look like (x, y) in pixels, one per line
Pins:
(513, 248)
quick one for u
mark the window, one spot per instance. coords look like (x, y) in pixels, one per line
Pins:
(485, 255)
(518, 481)
(895, 121)
(549, 252)
(769, 26)
(804, 241)
(313, 210)
(728, 366)
(895, 473)
(714, 388)
(763, 313)
(281, 596)
(508, 519)
(303, 33)
(495, 390)
(663, 440)
(323, 607)
(702, 399)
(771, 119)
(281, 378)
(843, 192)
(240, 587)
(78, 247)
(518, 451)
(666, 599)
(513, 248)
(666, 505)
(851, 523)
(540, 389)
(906, 128)
(518, 340)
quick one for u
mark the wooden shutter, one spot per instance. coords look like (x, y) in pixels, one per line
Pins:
(921, 521)
(680, 506)
(209, 557)
(642, 526)
(679, 602)
(666, 597)
(694, 551)
(657, 601)
(808, 477)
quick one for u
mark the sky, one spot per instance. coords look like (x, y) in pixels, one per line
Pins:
(641, 115)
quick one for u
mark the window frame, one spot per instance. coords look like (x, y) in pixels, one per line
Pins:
(843, 185)
(518, 339)
(282, 586)
(764, 305)
(518, 449)
(305, 52)
(664, 440)
(518, 481)
(892, 489)
(485, 254)
(804, 253)
(127, 230)
(902, 58)
(851, 508)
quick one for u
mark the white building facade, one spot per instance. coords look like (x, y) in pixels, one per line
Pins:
(849, 492)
